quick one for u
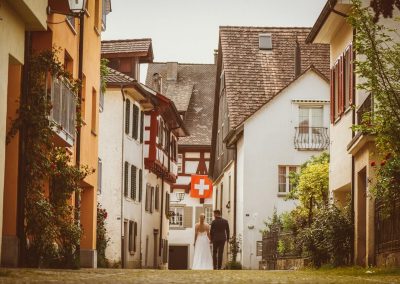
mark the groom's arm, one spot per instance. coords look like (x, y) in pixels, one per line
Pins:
(212, 230)
(227, 231)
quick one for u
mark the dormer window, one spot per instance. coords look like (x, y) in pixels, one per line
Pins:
(265, 41)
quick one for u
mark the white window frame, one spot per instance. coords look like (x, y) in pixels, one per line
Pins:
(287, 178)
(208, 211)
(177, 221)
(180, 163)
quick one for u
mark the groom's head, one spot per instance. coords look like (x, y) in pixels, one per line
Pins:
(217, 213)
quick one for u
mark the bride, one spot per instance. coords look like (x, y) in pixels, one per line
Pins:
(202, 259)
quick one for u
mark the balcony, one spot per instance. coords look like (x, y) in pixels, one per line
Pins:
(63, 113)
(311, 138)
(364, 108)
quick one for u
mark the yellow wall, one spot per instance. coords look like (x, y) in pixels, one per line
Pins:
(12, 28)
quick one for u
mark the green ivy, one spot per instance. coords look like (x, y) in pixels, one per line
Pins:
(51, 233)
(102, 239)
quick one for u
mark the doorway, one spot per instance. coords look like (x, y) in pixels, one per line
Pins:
(361, 213)
(155, 262)
(178, 257)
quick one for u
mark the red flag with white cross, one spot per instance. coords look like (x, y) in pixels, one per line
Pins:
(201, 187)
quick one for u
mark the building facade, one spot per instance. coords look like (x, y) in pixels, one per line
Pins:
(18, 17)
(64, 33)
(271, 115)
(352, 152)
(191, 87)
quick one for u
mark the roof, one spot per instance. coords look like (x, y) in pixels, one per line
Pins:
(321, 20)
(127, 47)
(193, 93)
(115, 77)
(253, 76)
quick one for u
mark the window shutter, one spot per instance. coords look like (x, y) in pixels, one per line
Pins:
(130, 236)
(351, 79)
(341, 86)
(135, 232)
(167, 208)
(198, 211)
(147, 197)
(127, 115)
(157, 198)
(141, 126)
(140, 184)
(151, 203)
(133, 182)
(99, 175)
(188, 217)
(126, 181)
(135, 121)
(332, 95)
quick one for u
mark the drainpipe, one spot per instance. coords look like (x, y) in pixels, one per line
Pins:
(21, 187)
(353, 113)
(161, 216)
(235, 192)
(78, 134)
(122, 179)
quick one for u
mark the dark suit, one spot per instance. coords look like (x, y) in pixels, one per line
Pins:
(219, 235)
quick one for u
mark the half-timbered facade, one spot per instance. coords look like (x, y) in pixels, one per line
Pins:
(191, 87)
(271, 115)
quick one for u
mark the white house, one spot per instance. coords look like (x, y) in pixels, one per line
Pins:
(271, 115)
(191, 87)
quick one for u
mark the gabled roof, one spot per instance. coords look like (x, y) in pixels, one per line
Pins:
(193, 94)
(128, 48)
(115, 77)
(254, 76)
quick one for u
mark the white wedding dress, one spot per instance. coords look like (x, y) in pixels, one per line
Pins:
(202, 259)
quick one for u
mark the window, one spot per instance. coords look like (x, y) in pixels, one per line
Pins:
(126, 181)
(135, 121)
(68, 63)
(127, 115)
(99, 174)
(133, 182)
(265, 41)
(131, 236)
(94, 111)
(140, 185)
(141, 126)
(221, 197)
(157, 198)
(180, 157)
(177, 217)
(342, 84)
(209, 214)
(216, 198)
(167, 203)
(284, 183)
(135, 233)
(148, 198)
(71, 21)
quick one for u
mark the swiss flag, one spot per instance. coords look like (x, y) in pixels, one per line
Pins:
(201, 187)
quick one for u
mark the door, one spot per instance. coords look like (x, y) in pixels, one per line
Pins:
(155, 251)
(178, 257)
(310, 126)
(361, 209)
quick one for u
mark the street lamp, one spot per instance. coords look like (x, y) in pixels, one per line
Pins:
(76, 8)
(179, 196)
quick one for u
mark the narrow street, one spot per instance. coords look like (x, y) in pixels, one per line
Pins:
(347, 275)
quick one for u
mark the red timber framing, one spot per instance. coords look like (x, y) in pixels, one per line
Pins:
(201, 167)
(165, 126)
(342, 84)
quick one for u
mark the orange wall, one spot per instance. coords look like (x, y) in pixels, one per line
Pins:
(11, 170)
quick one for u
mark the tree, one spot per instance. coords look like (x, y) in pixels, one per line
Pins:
(384, 8)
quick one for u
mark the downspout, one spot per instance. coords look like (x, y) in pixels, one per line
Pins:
(122, 179)
(78, 134)
(235, 192)
(21, 187)
(353, 167)
(161, 216)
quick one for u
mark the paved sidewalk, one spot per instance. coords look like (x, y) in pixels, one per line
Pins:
(99, 276)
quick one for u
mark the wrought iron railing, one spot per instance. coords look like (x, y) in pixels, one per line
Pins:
(63, 111)
(311, 138)
(387, 227)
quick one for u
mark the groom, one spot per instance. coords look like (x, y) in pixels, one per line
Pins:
(219, 235)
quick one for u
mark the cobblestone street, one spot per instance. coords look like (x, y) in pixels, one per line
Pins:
(159, 276)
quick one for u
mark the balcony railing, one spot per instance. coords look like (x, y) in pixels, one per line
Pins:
(311, 138)
(63, 112)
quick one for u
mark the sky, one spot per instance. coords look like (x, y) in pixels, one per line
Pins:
(186, 31)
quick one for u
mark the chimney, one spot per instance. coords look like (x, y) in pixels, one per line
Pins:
(297, 59)
(215, 56)
(172, 71)
(157, 82)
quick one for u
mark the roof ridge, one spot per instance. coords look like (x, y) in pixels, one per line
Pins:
(264, 27)
(116, 72)
(165, 62)
(127, 40)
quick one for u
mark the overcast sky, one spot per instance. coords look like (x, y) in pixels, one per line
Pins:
(187, 30)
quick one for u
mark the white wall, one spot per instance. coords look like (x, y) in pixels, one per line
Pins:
(267, 143)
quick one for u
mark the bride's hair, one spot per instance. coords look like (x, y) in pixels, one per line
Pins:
(202, 217)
